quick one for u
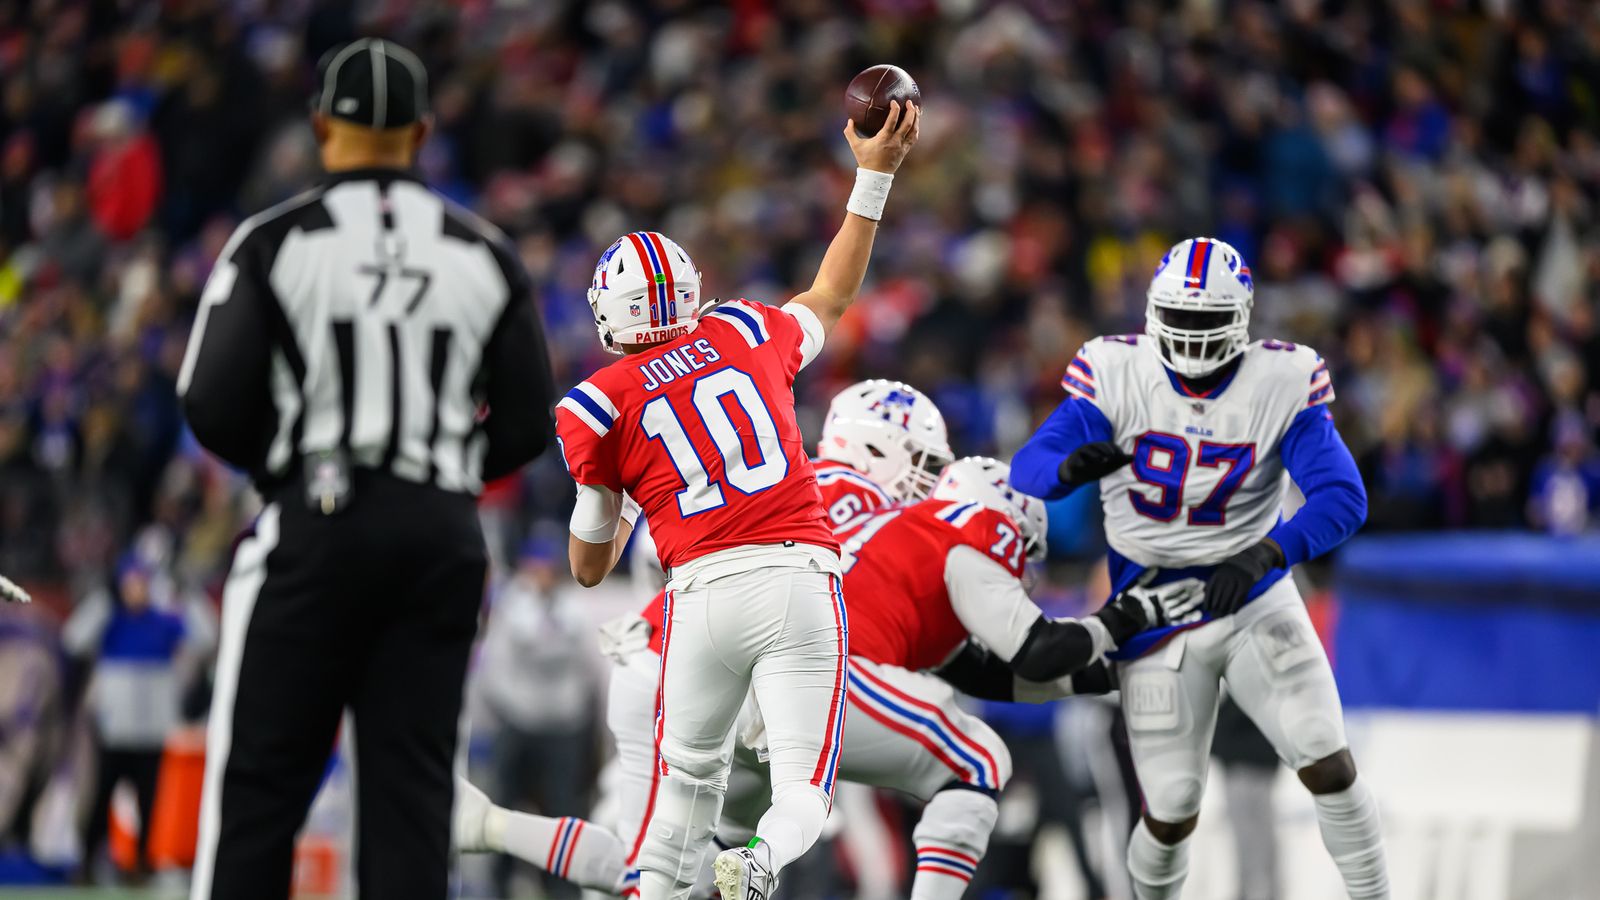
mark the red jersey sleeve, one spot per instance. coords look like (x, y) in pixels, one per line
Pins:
(990, 531)
(792, 332)
(585, 418)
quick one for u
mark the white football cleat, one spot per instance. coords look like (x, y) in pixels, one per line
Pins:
(740, 874)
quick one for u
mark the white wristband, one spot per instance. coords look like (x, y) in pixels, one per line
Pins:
(870, 193)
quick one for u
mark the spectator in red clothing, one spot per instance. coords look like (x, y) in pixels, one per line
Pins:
(124, 173)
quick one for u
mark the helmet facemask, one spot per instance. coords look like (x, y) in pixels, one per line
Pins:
(1195, 339)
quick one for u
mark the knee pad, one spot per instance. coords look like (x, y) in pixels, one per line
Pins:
(683, 825)
(957, 819)
(1313, 734)
(699, 765)
(1172, 797)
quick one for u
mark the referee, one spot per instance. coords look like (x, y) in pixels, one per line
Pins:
(371, 355)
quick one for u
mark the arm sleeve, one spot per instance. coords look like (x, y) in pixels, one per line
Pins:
(225, 383)
(989, 600)
(520, 390)
(977, 672)
(994, 608)
(598, 512)
(812, 334)
(1336, 501)
(1035, 468)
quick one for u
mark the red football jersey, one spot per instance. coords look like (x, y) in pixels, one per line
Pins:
(900, 612)
(701, 433)
(847, 495)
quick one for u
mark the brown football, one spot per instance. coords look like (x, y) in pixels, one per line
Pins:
(866, 100)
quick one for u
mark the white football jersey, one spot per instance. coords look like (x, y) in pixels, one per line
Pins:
(1206, 480)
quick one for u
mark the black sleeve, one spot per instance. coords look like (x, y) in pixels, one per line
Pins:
(1052, 649)
(977, 672)
(520, 390)
(225, 385)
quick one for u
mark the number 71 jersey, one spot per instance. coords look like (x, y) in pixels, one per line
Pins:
(1207, 479)
(700, 431)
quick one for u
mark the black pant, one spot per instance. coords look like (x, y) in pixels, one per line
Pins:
(373, 609)
(140, 768)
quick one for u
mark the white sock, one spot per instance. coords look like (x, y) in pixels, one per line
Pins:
(1156, 869)
(1349, 821)
(580, 852)
(951, 838)
(793, 823)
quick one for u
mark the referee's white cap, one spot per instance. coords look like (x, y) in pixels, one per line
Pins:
(373, 83)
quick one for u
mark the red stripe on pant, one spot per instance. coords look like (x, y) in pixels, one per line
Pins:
(835, 711)
(957, 733)
(659, 766)
(962, 772)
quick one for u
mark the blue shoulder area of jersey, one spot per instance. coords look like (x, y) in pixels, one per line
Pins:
(1035, 469)
(1125, 572)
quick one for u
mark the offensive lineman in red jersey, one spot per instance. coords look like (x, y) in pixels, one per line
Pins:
(960, 618)
(696, 426)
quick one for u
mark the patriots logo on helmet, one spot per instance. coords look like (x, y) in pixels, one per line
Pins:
(895, 407)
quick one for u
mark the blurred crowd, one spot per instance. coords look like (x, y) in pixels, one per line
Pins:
(1415, 185)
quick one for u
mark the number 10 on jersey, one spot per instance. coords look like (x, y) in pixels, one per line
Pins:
(716, 398)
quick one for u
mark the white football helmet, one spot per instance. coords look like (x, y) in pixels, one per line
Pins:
(645, 290)
(1199, 306)
(891, 432)
(980, 479)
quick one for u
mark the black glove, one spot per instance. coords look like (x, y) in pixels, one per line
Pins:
(1237, 574)
(1133, 611)
(1091, 462)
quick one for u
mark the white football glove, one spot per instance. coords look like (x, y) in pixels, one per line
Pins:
(624, 636)
(10, 592)
(1180, 601)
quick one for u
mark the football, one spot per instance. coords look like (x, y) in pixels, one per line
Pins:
(866, 100)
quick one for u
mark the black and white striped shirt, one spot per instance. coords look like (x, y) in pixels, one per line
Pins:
(373, 316)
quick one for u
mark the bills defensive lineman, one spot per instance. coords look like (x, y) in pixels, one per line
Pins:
(696, 426)
(883, 444)
(1193, 433)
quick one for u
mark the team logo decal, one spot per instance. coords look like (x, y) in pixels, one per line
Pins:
(895, 407)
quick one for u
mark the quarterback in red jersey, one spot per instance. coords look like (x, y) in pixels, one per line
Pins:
(695, 426)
